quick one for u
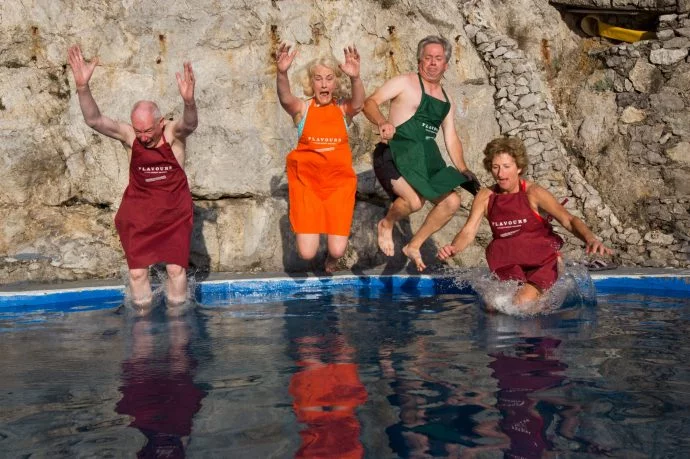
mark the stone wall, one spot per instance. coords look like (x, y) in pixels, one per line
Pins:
(663, 6)
(524, 109)
(650, 81)
(63, 182)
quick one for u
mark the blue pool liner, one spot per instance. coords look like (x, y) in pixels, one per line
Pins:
(286, 288)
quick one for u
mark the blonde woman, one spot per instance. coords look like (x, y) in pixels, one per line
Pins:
(321, 181)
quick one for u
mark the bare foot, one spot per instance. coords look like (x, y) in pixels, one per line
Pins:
(414, 255)
(385, 238)
(331, 265)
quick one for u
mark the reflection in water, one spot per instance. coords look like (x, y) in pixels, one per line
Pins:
(437, 417)
(448, 408)
(158, 389)
(532, 369)
(326, 389)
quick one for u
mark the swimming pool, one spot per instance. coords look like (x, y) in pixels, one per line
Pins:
(374, 366)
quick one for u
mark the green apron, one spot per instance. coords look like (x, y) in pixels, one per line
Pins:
(416, 154)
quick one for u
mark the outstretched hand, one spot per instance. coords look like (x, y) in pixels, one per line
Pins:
(351, 65)
(597, 247)
(185, 83)
(81, 70)
(284, 57)
(447, 251)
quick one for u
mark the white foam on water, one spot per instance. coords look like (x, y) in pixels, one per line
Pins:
(573, 288)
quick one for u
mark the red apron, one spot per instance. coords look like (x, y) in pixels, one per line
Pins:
(524, 246)
(154, 221)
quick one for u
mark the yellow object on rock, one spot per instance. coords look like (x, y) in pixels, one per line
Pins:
(593, 26)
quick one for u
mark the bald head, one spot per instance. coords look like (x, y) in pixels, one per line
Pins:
(146, 107)
(147, 123)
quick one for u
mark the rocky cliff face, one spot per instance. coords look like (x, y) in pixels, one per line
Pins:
(63, 182)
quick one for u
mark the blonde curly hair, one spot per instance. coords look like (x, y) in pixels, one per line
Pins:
(330, 62)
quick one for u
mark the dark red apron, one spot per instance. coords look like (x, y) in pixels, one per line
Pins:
(154, 221)
(524, 246)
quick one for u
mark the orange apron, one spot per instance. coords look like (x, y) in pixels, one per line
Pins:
(321, 181)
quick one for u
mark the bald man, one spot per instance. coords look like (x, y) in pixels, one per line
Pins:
(154, 220)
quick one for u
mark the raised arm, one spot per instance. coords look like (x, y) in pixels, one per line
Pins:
(82, 73)
(189, 121)
(350, 68)
(388, 91)
(577, 227)
(290, 103)
(471, 227)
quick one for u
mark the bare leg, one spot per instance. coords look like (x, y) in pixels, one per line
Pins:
(307, 245)
(336, 249)
(140, 287)
(408, 201)
(439, 216)
(176, 288)
(526, 294)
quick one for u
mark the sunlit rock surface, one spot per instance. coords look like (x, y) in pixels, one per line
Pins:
(63, 182)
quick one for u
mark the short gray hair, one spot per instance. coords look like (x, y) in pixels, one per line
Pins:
(434, 40)
(148, 106)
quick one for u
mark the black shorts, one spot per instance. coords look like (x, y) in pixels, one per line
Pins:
(385, 169)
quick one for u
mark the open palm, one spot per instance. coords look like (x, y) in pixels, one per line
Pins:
(185, 82)
(351, 65)
(284, 57)
(81, 70)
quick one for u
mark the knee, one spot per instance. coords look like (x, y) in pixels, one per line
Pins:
(336, 252)
(175, 271)
(137, 276)
(415, 204)
(306, 253)
(451, 203)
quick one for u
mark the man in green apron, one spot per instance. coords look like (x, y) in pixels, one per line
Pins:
(408, 162)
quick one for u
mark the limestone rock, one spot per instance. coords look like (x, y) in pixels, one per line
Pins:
(667, 56)
(632, 115)
(680, 153)
(645, 77)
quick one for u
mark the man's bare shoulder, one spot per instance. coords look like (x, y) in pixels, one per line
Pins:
(409, 79)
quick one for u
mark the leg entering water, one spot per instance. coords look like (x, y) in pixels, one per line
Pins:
(140, 290)
(176, 285)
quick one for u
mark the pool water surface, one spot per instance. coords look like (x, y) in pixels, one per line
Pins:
(351, 373)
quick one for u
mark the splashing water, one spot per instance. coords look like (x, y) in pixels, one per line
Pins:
(573, 288)
(159, 277)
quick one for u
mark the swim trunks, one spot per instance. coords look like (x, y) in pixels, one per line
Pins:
(384, 168)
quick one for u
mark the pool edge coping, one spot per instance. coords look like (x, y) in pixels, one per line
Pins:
(618, 278)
